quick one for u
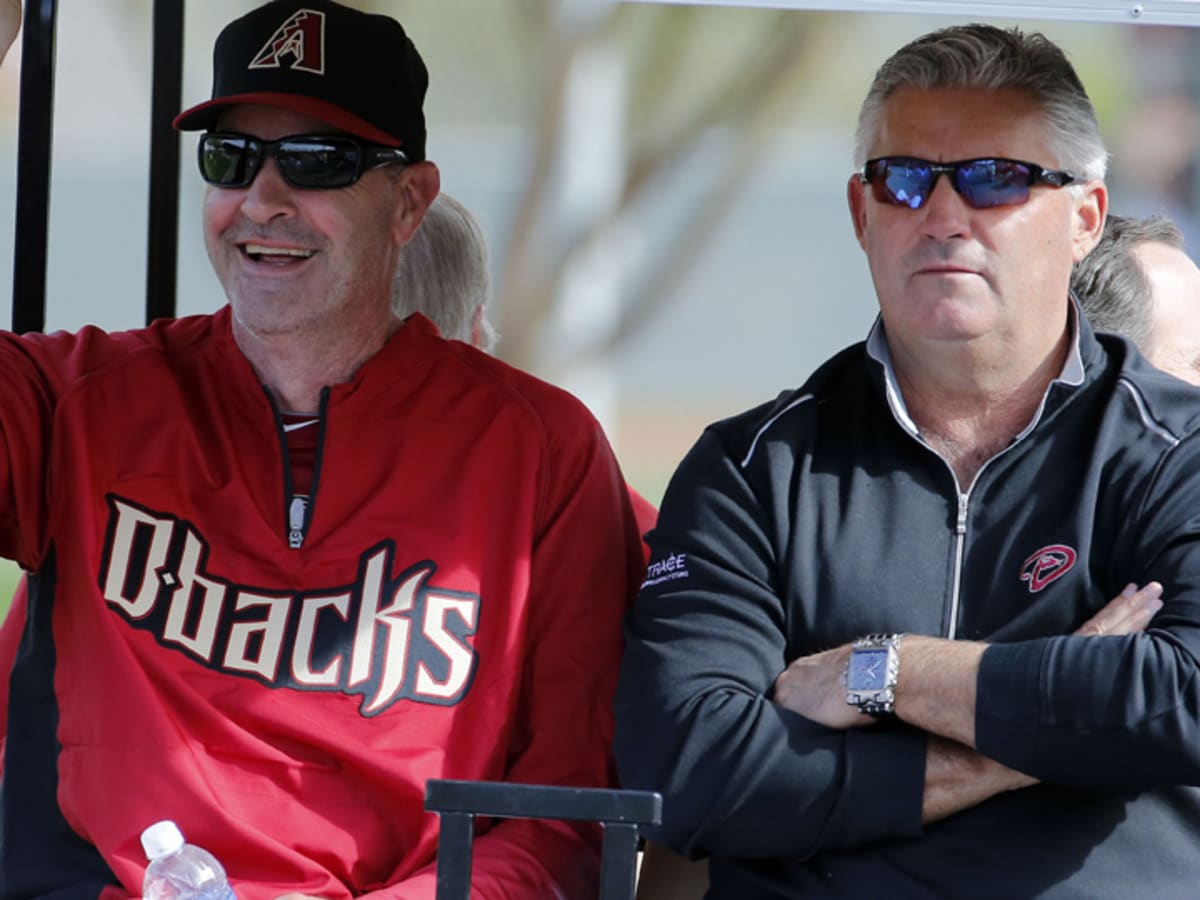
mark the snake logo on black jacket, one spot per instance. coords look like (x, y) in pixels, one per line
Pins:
(1047, 565)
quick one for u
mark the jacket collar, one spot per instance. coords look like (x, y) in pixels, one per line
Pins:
(1072, 375)
(383, 375)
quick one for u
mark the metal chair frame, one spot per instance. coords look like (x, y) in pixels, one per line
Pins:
(620, 813)
(34, 144)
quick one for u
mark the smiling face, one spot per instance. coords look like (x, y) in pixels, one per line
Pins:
(304, 262)
(950, 273)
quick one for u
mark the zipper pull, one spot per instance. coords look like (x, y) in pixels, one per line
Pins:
(960, 527)
(296, 522)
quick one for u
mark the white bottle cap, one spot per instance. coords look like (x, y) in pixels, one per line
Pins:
(161, 838)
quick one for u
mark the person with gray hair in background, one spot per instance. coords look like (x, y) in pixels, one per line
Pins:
(891, 641)
(443, 274)
(1139, 282)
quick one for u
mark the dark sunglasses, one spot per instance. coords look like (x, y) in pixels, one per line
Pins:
(982, 183)
(231, 160)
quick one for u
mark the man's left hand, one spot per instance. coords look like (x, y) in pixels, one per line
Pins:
(815, 687)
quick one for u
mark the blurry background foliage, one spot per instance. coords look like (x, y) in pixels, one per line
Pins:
(662, 186)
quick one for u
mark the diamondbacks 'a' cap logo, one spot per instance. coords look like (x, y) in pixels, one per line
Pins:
(1047, 565)
(301, 38)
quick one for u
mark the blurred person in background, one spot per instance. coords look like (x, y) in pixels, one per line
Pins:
(1140, 283)
(443, 274)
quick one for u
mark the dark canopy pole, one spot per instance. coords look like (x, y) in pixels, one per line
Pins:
(34, 142)
(162, 245)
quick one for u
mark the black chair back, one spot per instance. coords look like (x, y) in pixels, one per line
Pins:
(35, 135)
(619, 812)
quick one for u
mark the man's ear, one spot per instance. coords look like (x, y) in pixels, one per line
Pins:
(856, 196)
(417, 186)
(1090, 213)
(477, 329)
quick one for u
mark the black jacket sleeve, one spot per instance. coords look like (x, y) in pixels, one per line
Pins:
(741, 776)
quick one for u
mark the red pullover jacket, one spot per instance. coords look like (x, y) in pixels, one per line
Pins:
(453, 612)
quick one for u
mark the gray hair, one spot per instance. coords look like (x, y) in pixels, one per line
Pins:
(443, 274)
(1110, 283)
(990, 58)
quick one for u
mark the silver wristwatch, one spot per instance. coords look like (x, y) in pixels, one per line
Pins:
(872, 672)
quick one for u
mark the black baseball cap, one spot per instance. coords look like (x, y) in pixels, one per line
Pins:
(356, 71)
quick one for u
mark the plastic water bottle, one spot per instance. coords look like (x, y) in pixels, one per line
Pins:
(180, 871)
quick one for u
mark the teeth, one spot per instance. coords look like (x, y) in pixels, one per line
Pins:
(260, 250)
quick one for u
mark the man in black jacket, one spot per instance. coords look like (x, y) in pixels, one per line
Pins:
(875, 653)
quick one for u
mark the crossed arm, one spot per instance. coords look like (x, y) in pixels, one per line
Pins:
(747, 768)
(936, 693)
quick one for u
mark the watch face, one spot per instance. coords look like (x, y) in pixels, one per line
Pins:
(868, 670)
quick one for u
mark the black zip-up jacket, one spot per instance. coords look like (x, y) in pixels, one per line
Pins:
(821, 517)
